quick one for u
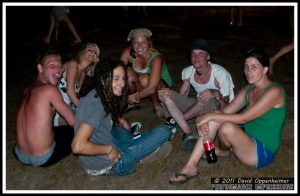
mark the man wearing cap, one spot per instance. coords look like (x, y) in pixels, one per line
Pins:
(148, 71)
(213, 85)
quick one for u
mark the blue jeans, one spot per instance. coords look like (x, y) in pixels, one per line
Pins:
(133, 150)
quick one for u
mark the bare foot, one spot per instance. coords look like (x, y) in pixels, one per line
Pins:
(46, 41)
(77, 41)
(159, 112)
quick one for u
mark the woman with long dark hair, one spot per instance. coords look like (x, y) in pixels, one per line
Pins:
(102, 137)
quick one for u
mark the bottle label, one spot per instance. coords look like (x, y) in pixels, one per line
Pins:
(209, 145)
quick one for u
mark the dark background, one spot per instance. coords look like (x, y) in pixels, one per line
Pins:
(173, 28)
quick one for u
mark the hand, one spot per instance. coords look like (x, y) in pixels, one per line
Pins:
(113, 155)
(133, 98)
(124, 123)
(164, 93)
(206, 95)
(203, 129)
(201, 120)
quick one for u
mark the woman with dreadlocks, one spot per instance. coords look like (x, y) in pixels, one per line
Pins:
(102, 140)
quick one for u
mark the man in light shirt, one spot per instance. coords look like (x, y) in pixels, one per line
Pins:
(213, 85)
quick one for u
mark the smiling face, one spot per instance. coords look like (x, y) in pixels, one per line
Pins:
(140, 44)
(91, 53)
(118, 81)
(50, 69)
(200, 60)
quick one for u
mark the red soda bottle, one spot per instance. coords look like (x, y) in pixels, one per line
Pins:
(209, 148)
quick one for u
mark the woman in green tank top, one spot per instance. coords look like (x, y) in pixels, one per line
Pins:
(265, 110)
(148, 73)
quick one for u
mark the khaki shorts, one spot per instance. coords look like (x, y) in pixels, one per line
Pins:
(185, 103)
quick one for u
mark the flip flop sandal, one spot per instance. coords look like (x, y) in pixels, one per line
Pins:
(184, 180)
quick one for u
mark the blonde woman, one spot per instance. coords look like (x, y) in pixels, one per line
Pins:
(149, 72)
(73, 77)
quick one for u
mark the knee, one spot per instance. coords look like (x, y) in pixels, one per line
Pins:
(132, 77)
(208, 106)
(164, 132)
(226, 129)
(165, 95)
(144, 80)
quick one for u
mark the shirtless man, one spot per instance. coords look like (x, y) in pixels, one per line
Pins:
(37, 142)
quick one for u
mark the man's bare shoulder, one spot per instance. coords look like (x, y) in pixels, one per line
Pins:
(45, 89)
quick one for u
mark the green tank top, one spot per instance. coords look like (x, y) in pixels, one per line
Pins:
(268, 127)
(165, 74)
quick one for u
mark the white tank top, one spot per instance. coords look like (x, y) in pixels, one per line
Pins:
(201, 87)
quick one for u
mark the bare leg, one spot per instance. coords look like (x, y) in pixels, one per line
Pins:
(177, 114)
(156, 102)
(125, 8)
(133, 83)
(200, 108)
(232, 12)
(57, 30)
(240, 17)
(190, 168)
(73, 30)
(47, 39)
(157, 109)
(244, 148)
(144, 11)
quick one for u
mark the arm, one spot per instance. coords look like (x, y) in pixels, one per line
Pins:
(223, 81)
(125, 56)
(271, 98)
(185, 88)
(283, 51)
(82, 145)
(56, 99)
(164, 94)
(210, 93)
(237, 103)
(224, 101)
(71, 72)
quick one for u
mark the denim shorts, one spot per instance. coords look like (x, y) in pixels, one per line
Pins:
(264, 155)
(33, 160)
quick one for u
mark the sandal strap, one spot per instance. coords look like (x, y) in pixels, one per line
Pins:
(180, 174)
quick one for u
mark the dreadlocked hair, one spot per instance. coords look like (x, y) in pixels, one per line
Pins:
(114, 105)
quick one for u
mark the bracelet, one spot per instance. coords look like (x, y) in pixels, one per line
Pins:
(110, 151)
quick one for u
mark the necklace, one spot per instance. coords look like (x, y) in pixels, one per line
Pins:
(201, 75)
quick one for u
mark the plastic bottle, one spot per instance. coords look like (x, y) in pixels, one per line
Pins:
(209, 148)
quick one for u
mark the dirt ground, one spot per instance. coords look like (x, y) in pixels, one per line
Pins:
(173, 29)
